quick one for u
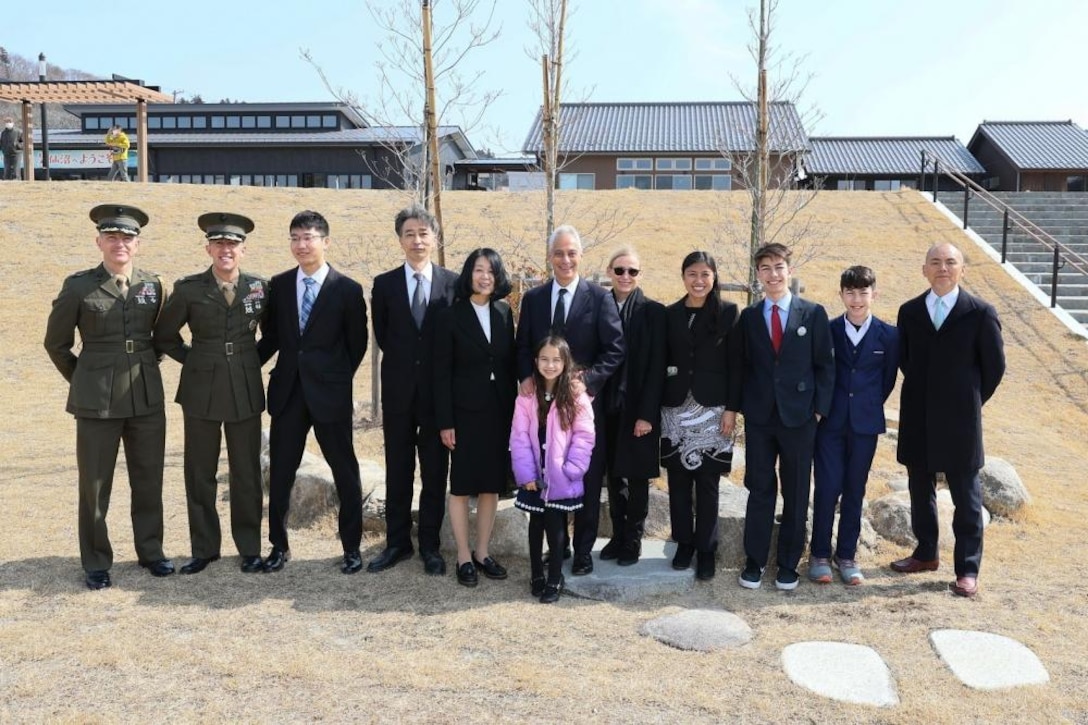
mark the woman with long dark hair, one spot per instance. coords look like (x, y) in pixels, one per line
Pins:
(699, 413)
(474, 393)
(633, 409)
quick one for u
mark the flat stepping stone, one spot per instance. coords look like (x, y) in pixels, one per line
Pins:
(840, 671)
(653, 575)
(986, 661)
(699, 630)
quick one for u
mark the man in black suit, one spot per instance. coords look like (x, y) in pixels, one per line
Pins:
(405, 302)
(789, 376)
(316, 320)
(586, 315)
(953, 358)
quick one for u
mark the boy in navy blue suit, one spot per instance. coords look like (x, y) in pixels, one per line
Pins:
(866, 360)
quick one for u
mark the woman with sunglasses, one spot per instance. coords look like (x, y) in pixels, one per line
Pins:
(633, 409)
(698, 415)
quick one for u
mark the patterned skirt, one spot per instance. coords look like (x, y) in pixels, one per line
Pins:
(533, 502)
(691, 437)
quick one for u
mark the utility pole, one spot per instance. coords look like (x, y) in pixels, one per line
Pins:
(45, 128)
(435, 195)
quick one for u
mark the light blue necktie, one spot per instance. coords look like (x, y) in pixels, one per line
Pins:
(939, 313)
(308, 298)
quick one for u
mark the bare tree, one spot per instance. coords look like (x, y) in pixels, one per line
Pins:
(458, 28)
(772, 169)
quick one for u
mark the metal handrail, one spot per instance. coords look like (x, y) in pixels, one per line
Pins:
(970, 187)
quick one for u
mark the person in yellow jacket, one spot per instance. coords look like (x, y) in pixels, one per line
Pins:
(117, 140)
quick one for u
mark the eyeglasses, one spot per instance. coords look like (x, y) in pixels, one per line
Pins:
(620, 271)
(306, 238)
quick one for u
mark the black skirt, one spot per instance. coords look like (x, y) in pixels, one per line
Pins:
(480, 462)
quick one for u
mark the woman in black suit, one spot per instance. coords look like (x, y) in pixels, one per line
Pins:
(474, 393)
(699, 413)
(633, 409)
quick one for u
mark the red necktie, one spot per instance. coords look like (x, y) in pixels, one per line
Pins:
(776, 329)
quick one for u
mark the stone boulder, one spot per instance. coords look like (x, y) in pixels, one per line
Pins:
(890, 517)
(699, 630)
(509, 538)
(1003, 493)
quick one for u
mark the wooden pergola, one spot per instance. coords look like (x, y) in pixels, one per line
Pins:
(77, 92)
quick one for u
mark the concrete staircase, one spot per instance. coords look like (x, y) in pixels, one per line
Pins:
(1063, 215)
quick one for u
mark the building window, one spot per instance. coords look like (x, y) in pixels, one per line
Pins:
(170, 122)
(200, 121)
(582, 182)
(886, 185)
(90, 123)
(249, 122)
(634, 164)
(313, 122)
(330, 121)
(716, 164)
(674, 164)
(1075, 183)
(219, 122)
(672, 182)
(283, 122)
(154, 123)
(850, 185)
(264, 122)
(234, 121)
(185, 122)
(298, 122)
(347, 181)
(713, 182)
(635, 181)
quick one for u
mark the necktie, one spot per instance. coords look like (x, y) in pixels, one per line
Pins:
(776, 329)
(419, 304)
(939, 313)
(122, 284)
(228, 292)
(559, 319)
(308, 298)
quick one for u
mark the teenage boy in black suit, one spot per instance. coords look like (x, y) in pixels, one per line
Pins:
(789, 375)
(316, 320)
(405, 302)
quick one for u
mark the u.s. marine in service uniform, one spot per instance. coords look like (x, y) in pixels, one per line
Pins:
(221, 388)
(115, 389)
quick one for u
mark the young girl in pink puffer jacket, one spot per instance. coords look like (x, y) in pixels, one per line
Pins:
(551, 443)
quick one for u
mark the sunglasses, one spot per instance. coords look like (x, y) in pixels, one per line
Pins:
(620, 271)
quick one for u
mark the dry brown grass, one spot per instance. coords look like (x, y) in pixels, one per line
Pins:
(311, 644)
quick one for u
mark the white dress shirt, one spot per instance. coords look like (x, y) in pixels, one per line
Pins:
(300, 286)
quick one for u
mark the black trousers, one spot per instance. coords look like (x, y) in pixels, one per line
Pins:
(553, 524)
(587, 518)
(287, 443)
(966, 493)
(628, 498)
(405, 433)
(704, 482)
(792, 449)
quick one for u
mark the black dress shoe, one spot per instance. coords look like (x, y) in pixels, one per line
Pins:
(162, 567)
(611, 550)
(96, 580)
(629, 554)
(466, 574)
(389, 558)
(583, 564)
(277, 558)
(197, 564)
(705, 566)
(433, 563)
(551, 592)
(536, 586)
(491, 568)
(684, 553)
(252, 564)
(353, 562)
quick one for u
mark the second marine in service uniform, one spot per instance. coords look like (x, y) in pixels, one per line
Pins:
(115, 390)
(221, 389)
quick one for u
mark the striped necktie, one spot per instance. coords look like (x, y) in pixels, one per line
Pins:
(308, 298)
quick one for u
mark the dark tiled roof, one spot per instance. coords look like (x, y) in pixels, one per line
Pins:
(669, 128)
(885, 155)
(1031, 145)
(347, 137)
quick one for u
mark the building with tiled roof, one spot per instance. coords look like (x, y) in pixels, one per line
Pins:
(883, 163)
(1032, 155)
(674, 146)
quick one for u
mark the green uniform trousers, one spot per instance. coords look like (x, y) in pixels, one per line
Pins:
(97, 441)
(202, 446)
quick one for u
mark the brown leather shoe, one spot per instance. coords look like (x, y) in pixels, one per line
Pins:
(964, 586)
(910, 565)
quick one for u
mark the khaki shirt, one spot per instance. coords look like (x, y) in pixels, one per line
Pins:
(116, 374)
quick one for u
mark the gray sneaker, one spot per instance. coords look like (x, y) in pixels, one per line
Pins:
(819, 570)
(849, 571)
